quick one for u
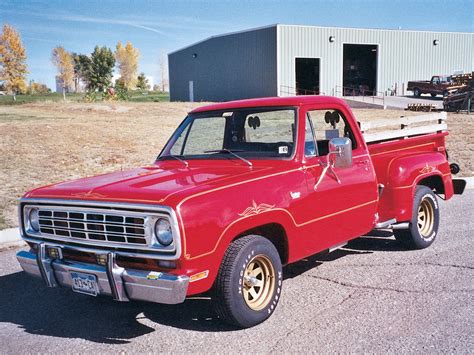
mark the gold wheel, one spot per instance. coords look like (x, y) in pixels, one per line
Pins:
(258, 282)
(426, 217)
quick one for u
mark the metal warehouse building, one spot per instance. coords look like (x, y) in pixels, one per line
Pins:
(282, 60)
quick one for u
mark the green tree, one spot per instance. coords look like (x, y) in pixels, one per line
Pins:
(82, 66)
(102, 63)
(142, 82)
(13, 67)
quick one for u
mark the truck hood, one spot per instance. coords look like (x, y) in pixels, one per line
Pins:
(165, 183)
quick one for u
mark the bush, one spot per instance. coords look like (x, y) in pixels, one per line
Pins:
(90, 96)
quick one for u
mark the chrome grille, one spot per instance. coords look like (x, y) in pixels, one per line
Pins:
(113, 226)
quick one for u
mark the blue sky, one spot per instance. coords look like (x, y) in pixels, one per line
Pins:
(164, 26)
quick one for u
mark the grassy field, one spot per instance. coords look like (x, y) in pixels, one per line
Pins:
(135, 96)
(46, 142)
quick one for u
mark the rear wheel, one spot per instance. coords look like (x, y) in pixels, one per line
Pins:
(249, 282)
(416, 92)
(424, 222)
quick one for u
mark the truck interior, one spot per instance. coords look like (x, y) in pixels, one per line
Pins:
(321, 127)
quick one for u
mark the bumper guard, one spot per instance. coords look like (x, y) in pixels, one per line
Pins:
(120, 283)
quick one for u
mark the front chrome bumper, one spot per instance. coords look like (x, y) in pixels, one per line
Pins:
(120, 283)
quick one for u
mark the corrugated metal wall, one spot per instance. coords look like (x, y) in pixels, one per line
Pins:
(402, 55)
(235, 66)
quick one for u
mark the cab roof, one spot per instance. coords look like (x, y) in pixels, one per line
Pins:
(270, 101)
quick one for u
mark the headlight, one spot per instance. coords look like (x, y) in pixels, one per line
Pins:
(33, 218)
(163, 232)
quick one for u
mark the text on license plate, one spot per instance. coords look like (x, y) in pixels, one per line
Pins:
(84, 283)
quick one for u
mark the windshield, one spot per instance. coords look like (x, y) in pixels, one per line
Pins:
(249, 133)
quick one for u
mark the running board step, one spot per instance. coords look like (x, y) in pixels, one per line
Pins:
(337, 246)
(386, 224)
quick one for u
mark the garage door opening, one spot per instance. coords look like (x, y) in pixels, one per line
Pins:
(360, 70)
(307, 76)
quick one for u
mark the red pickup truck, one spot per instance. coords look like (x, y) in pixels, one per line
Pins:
(240, 189)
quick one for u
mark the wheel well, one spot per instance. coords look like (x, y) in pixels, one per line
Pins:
(434, 182)
(275, 233)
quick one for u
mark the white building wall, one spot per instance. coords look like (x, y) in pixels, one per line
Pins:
(402, 55)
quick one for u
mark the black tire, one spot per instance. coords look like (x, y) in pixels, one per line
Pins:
(416, 92)
(445, 93)
(424, 222)
(231, 293)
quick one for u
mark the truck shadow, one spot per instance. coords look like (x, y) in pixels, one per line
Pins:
(377, 240)
(58, 312)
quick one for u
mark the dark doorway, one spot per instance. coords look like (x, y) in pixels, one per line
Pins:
(360, 69)
(307, 76)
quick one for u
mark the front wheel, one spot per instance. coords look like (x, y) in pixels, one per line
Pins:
(424, 222)
(249, 282)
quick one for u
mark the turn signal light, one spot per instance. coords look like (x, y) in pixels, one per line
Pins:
(199, 276)
(102, 259)
(54, 253)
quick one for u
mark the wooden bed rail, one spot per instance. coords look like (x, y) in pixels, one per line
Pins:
(403, 127)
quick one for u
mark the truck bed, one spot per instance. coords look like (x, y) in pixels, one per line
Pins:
(392, 151)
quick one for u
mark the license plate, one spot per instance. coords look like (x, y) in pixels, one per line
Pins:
(84, 283)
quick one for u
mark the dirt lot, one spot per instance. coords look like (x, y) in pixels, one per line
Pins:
(50, 142)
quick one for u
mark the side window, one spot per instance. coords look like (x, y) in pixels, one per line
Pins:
(328, 124)
(435, 79)
(310, 148)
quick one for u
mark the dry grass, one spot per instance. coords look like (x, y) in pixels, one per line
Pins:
(51, 142)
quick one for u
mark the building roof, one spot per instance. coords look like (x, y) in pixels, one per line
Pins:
(310, 26)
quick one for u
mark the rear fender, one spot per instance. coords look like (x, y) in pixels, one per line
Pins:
(405, 173)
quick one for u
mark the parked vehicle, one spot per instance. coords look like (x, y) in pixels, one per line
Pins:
(240, 189)
(438, 85)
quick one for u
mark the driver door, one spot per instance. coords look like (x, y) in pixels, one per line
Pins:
(336, 211)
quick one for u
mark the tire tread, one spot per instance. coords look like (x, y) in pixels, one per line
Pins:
(224, 277)
(406, 236)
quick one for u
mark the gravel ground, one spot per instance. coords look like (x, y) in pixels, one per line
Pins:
(371, 296)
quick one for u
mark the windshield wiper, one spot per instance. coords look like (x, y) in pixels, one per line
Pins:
(186, 164)
(224, 150)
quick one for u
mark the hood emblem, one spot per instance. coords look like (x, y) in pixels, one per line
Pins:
(256, 209)
(88, 194)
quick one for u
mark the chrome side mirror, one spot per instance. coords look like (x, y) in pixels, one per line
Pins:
(342, 149)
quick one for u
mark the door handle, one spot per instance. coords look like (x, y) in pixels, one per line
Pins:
(365, 163)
